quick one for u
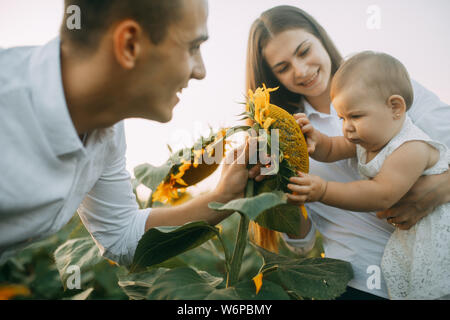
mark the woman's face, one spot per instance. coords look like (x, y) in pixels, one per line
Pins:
(300, 62)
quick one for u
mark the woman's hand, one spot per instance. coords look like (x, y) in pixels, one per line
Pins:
(306, 188)
(308, 130)
(426, 194)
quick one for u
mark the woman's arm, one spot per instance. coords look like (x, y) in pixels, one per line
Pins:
(427, 193)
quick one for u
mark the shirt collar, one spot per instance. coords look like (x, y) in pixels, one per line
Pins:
(309, 110)
(49, 100)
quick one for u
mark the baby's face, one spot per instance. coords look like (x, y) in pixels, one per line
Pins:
(367, 121)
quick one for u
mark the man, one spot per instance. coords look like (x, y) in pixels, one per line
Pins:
(61, 129)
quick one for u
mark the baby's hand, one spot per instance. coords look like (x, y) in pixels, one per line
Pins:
(306, 188)
(308, 131)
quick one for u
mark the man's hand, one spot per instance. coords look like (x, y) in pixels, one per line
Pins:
(306, 188)
(425, 195)
(235, 174)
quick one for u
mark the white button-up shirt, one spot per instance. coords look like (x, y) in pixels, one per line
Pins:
(357, 237)
(46, 173)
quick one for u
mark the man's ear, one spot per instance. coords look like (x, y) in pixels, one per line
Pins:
(397, 105)
(127, 42)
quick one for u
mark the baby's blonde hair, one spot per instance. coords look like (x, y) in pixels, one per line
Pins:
(380, 74)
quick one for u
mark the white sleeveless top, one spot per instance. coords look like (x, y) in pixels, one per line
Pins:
(416, 262)
(408, 132)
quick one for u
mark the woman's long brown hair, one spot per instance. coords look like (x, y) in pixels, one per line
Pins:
(268, 25)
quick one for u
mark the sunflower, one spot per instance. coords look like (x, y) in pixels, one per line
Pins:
(188, 169)
(293, 151)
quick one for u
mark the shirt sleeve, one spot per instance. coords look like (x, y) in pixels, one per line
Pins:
(110, 211)
(302, 246)
(430, 114)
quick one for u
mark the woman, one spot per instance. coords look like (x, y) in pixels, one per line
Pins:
(287, 48)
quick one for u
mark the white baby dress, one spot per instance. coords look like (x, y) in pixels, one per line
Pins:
(416, 262)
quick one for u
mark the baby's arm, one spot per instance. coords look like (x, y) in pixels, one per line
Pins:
(398, 174)
(322, 147)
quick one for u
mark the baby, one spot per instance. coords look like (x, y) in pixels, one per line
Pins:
(371, 93)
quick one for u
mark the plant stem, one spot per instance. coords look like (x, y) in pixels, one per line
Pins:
(241, 242)
(227, 255)
(238, 253)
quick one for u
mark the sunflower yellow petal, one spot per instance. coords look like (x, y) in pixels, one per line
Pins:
(182, 182)
(304, 212)
(8, 292)
(258, 281)
(268, 122)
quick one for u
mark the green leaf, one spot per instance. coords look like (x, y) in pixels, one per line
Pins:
(246, 290)
(83, 295)
(269, 209)
(80, 252)
(151, 176)
(79, 231)
(283, 218)
(183, 283)
(162, 243)
(208, 257)
(253, 206)
(318, 278)
(137, 285)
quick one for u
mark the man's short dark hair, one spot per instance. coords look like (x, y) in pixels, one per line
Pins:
(154, 16)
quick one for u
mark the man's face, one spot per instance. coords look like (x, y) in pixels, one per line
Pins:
(167, 67)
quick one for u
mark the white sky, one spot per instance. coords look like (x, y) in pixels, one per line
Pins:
(414, 31)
